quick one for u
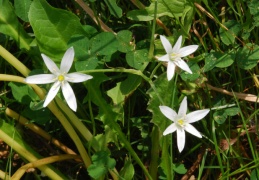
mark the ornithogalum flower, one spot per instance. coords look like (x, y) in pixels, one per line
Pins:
(60, 78)
(174, 56)
(182, 122)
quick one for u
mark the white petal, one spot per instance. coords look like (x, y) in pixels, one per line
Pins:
(170, 129)
(187, 50)
(189, 128)
(164, 58)
(177, 45)
(69, 95)
(183, 107)
(77, 77)
(167, 45)
(40, 79)
(52, 67)
(181, 64)
(180, 139)
(170, 70)
(67, 60)
(168, 112)
(196, 115)
(52, 93)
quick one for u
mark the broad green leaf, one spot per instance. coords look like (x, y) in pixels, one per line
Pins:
(101, 164)
(218, 59)
(53, 28)
(83, 59)
(137, 59)
(104, 43)
(9, 25)
(81, 47)
(22, 9)
(164, 8)
(127, 172)
(124, 38)
(114, 9)
(22, 93)
(247, 57)
(228, 37)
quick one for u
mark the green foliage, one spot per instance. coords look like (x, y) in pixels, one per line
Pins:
(101, 164)
(22, 93)
(218, 59)
(118, 120)
(53, 28)
(9, 25)
(22, 9)
(114, 9)
(164, 8)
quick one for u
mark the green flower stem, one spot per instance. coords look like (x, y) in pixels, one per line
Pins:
(152, 47)
(55, 110)
(14, 61)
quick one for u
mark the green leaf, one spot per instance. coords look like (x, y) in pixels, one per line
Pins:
(179, 168)
(124, 38)
(220, 116)
(164, 8)
(22, 9)
(232, 111)
(218, 59)
(114, 9)
(101, 164)
(22, 93)
(195, 72)
(127, 172)
(254, 174)
(41, 116)
(9, 25)
(104, 43)
(228, 37)
(247, 57)
(253, 7)
(137, 59)
(53, 28)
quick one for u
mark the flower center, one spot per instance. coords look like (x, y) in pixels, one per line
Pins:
(181, 122)
(173, 56)
(61, 77)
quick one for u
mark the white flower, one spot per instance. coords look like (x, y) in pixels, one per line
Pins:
(60, 78)
(182, 122)
(173, 56)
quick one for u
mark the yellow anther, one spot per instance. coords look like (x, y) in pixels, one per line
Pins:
(181, 122)
(61, 77)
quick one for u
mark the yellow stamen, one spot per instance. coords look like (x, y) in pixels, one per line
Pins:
(181, 122)
(61, 77)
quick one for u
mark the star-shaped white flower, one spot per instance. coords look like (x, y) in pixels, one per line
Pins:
(174, 55)
(60, 78)
(182, 122)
